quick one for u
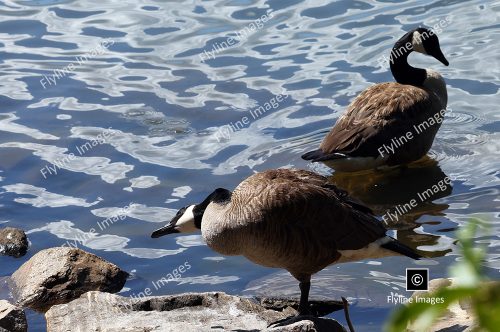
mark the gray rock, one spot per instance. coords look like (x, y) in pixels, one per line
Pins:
(13, 242)
(12, 318)
(190, 312)
(59, 275)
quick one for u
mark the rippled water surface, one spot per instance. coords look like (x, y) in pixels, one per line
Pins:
(137, 104)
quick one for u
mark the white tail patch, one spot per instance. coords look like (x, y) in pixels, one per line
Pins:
(373, 250)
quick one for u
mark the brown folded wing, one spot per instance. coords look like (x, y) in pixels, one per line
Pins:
(311, 219)
(380, 113)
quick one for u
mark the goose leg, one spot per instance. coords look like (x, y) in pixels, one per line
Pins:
(303, 310)
(304, 298)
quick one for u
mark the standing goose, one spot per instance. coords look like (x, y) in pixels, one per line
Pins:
(390, 124)
(290, 219)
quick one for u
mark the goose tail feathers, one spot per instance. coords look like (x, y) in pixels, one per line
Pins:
(318, 155)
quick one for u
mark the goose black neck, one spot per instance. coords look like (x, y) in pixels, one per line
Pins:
(219, 196)
(404, 73)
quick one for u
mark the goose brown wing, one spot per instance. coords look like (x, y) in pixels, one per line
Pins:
(380, 113)
(300, 205)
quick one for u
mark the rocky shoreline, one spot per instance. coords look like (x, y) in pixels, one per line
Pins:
(74, 289)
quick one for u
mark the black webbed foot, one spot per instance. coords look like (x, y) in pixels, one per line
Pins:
(290, 320)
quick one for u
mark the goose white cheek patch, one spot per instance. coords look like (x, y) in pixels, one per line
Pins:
(185, 224)
(417, 43)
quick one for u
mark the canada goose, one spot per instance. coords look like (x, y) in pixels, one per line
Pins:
(291, 219)
(390, 124)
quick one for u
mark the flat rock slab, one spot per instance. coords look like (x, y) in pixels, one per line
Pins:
(59, 275)
(12, 318)
(190, 312)
(13, 242)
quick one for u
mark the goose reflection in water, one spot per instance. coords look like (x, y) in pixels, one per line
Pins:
(401, 196)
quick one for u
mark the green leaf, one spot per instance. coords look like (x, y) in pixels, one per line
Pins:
(469, 285)
(423, 315)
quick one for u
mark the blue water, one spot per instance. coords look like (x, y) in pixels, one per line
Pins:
(155, 123)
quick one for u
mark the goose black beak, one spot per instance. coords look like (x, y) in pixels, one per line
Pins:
(165, 230)
(438, 55)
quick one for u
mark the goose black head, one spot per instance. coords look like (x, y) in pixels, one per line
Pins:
(425, 41)
(188, 219)
(183, 222)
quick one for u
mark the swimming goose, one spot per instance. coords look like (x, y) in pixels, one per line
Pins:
(290, 219)
(390, 124)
